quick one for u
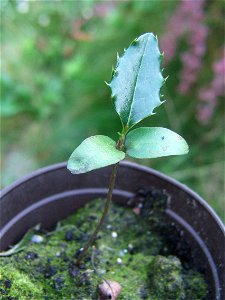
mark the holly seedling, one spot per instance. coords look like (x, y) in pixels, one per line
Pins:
(135, 84)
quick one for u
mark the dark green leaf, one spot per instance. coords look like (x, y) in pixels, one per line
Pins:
(93, 153)
(137, 80)
(150, 142)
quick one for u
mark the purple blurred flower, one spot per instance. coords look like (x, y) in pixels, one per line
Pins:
(102, 9)
(188, 21)
(209, 95)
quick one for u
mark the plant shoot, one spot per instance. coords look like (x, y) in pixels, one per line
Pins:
(135, 84)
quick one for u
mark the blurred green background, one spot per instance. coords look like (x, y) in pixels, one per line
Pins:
(56, 56)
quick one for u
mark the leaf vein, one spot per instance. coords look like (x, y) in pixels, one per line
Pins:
(136, 80)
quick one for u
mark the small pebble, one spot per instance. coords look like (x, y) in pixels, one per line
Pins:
(50, 271)
(31, 255)
(73, 271)
(89, 271)
(123, 252)
(58, 282)
(119, 261)
(130, 246)
(7, 284)
(69, 235)
(114, 234)
(37, 239)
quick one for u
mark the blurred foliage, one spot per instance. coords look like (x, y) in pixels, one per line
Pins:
(56, 57)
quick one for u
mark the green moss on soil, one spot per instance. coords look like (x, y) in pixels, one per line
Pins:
(133, 258)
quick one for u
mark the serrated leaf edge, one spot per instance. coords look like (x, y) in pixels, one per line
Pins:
(161, 57)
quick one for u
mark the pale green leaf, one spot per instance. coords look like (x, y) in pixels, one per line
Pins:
(21, 245)
(151, 142)
(137, 80)
(93, 153)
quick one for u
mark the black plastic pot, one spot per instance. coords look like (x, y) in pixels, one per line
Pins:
(50, 194)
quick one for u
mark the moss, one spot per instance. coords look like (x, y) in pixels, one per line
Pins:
(194, 285)
(18, 285)
(165, 278)
(128, 251)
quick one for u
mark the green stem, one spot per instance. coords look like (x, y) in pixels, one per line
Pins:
(106, 209)
(119, 146)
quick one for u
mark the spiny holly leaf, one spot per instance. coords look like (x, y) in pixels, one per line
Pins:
(151, 142)
(93, 153)
(137, 80)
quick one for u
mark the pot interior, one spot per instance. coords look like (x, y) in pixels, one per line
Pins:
(52, 194)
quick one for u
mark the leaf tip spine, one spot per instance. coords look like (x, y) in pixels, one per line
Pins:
(161, 56)
(114, 72)
(165, 79)
(108, 84)
(135, 41)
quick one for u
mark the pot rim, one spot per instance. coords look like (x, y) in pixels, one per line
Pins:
(128, 164)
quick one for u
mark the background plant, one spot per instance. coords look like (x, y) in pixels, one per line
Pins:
(55, 56)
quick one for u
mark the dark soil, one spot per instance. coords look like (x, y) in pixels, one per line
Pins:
(132, 249)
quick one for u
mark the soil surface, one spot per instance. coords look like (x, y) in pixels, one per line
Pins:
(131, 249)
